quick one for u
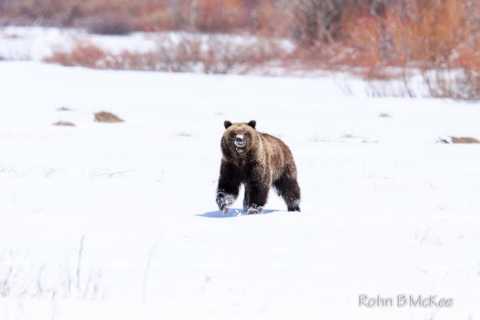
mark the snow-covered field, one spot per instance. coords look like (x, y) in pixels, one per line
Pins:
(119, 221)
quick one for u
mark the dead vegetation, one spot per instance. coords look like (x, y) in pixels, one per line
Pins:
(23, 277)
(441, 38)
(121, 17)
(459, 140)
(64, 124)
(209, 55)
(107, 117)
(63, 109)
(459, 84)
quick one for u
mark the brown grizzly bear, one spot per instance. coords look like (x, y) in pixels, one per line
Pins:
(258, 161)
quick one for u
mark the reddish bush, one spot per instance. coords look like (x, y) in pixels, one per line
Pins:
(82, 54)
(429, 33)
(210, 55)
(331, 34)
(120, 17)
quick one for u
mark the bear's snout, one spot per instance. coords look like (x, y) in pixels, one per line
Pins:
(240, 141)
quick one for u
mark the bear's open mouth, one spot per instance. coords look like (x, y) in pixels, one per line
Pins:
(240, 150)
(240, 144)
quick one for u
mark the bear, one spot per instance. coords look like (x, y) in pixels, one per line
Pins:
(259, 161)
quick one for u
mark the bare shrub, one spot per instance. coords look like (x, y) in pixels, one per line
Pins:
(388, 88)
(431, 33)
(421, 32)
(83, 54)
(322, 21)
(316, 20)
(209, 55)
(441, 39)
(460, 84)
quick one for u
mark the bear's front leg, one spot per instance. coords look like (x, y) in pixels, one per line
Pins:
(257, 196)
(246, 201)
(228, 186)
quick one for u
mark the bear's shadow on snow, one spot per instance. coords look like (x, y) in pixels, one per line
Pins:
(232, 213)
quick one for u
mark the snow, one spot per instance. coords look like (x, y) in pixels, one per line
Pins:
(130, 208)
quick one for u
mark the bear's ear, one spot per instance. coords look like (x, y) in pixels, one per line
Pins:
(253, 124)
(227, 124)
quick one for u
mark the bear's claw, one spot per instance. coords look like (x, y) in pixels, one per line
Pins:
(254, 210)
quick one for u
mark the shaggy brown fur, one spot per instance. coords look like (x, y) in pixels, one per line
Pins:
(258, 161)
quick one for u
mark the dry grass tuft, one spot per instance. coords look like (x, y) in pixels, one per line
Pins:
(107, 117)
(384, 115)
(459, 140)
(64, 124)
(63, 109)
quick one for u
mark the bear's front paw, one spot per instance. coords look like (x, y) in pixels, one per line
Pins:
(224, 201)
(254, 210)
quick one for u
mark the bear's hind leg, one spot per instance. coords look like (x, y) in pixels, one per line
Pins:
(288, 188)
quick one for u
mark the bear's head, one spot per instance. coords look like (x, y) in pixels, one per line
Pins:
(239, 138)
